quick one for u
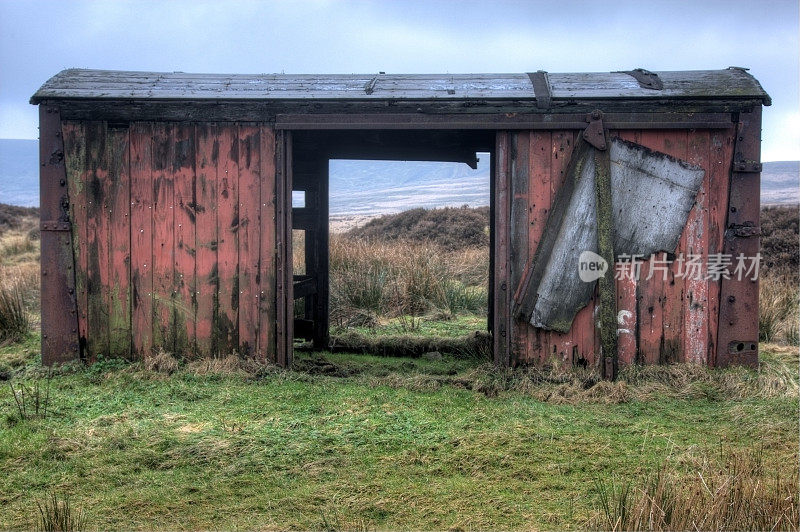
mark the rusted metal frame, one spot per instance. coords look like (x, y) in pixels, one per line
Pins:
(737, 336)
(284, 279)
(660, 120)
(60, 342)
(541, 89)
(502, 322)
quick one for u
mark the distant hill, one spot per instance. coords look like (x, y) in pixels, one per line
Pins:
(367, 188)
(780, 182)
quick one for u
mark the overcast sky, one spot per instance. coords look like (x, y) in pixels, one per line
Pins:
(37, 39)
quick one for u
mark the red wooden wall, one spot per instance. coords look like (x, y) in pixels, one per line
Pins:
(661, 321)
(174, 237)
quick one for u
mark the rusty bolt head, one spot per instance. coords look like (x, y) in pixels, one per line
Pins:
(597, 114)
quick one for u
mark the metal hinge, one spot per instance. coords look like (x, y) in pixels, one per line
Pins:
(595, 133)
(55, 226)
(744, 166)
(646, 79)
(746, 230)
(541, 89)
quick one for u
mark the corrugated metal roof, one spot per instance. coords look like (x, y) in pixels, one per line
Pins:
(731, 83)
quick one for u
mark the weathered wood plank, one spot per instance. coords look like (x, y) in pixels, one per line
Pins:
(721, 155)
(97, 232)
(267, 249)
(119, 220)
(141, 169)
(227, 315)
(675, 144)
(164, 299)
(520, 144)
(650, 293)
(75, 159)
(182, 157)
(695, 241)
(561, 149)
(249, 238)
(207, 278)
(502, 214)
(627, 326)
(539, 203)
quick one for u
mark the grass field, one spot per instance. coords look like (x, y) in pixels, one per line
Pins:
(377, 443)
(356, 441)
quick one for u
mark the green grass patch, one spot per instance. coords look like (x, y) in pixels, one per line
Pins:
(373, 443)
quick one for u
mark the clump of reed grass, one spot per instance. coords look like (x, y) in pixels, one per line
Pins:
(15, 322)
(56, 513)
(727, 490)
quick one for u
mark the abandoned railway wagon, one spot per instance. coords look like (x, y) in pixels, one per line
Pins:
(624, 207)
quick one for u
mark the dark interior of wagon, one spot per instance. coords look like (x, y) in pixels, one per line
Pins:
(360, 286)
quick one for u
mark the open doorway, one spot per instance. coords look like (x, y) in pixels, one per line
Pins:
(392, 238)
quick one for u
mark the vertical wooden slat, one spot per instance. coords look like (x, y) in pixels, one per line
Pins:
(695, 241)
(141, 135)
(502, 215)
(182, 158)
(227, 316)
(627, 326)
(650, 293)
(674, 143)
(75, 156)
(519, 231)
(163, 239)
(207, 156)
(540, 201)
(119, 219)
(248, 235)
(98, 226)
(267, 250)
(721, 154)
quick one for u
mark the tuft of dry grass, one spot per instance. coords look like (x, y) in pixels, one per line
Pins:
(231, 364)
(404, 278)
(727, 490)
(778, 309)
(777, 377)
(161, 362)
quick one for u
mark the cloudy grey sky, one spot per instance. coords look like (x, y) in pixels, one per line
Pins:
(39, 38)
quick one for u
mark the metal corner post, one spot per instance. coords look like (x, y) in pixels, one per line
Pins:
(737, 340)
(59, 308)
